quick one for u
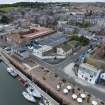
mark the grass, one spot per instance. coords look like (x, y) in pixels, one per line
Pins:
(7, 9)
(68, 45)
(81, 39)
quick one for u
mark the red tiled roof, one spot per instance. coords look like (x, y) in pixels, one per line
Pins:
(33, 33)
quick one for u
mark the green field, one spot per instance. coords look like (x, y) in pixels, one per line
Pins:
(6, 9)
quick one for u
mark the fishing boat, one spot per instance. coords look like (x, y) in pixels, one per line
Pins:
(34, 92)
(28, 97)
(11, 72)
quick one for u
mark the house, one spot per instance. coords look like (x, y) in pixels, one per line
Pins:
(64, 52)
(88, 73)
(68, 30)
(4, 31)
(67, 48)
(41, 50)
(101, 23)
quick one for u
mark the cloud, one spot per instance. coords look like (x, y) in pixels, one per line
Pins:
(12, 1)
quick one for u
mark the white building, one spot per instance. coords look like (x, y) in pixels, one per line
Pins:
(89, 73)
(102, 76)
(39, 51)
(61, 51)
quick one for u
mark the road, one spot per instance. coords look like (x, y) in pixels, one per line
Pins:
(71, 58)
(58, 68)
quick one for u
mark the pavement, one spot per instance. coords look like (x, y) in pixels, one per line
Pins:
(95, 90)
(71, 58)
(44, 94)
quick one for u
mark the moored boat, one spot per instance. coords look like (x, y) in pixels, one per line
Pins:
(41, 103)
(11, 72)
(28, 97)
(34, 92)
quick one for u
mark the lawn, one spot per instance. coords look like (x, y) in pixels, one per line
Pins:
(6, 9)
(68, 45)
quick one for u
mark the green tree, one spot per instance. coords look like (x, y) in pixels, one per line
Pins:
(4, 19)
(82, 40)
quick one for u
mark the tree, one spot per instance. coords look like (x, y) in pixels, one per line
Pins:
(4, 19)
(82, 40)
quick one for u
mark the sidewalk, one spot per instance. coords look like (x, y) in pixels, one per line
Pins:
(51, 100)
(95, 90)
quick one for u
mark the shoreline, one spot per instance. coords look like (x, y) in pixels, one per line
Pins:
(28, 79)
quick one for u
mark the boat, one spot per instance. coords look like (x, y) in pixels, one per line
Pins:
(28, 97)
(46, 102)
(34, 92)
(23, 82)
(11, 72)
(41, 103)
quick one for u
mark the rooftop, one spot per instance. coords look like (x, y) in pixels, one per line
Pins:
(54, 39)
(32, 33)
(88, 66)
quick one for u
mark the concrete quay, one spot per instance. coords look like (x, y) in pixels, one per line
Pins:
(48, 85)
(8, 63)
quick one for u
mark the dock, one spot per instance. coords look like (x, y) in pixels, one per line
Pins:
(44, 94)
(45, 80)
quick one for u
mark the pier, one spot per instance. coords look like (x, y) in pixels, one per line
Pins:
(43, 79)
(47, 88)
(31, 83)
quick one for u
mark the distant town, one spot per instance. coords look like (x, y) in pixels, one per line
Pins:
(55, 50)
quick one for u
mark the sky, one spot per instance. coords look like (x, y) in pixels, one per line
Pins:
(13, 1)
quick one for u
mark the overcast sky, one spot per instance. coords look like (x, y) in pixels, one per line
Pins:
(12, 1)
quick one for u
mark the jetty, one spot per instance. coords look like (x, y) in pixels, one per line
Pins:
(25, 78)
(45, 81)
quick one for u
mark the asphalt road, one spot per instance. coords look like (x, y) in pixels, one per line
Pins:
(71, 58)
(58, 68)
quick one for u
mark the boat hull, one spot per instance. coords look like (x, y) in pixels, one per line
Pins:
(12, 72)
(28, 97)
(33, 92)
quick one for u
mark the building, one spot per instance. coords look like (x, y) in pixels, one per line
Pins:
(54, 39)
(41, 50)
(88, 73)
(22, 40)
(4, 31)
(64, 52)
(29, 34)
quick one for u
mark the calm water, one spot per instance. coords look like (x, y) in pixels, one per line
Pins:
(10, 89)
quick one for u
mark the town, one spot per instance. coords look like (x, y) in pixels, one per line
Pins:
(57, 50)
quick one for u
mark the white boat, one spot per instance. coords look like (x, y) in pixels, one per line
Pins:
(28, 97)
(41, 103)
(46, 102)
(11, 72)
(34, 92)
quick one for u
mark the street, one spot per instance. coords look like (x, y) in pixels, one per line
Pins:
(58, 68)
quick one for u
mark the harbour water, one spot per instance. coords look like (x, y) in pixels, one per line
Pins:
(10, 89)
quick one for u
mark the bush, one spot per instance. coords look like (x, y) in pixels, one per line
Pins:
(4, 20)
(82, 40)
(83, 24)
